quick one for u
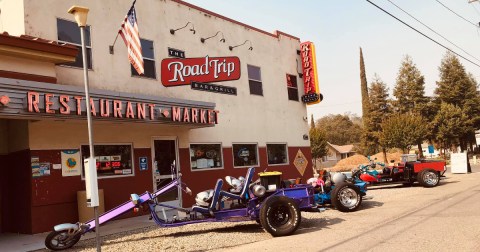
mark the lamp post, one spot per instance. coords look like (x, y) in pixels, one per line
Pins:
(91, 185)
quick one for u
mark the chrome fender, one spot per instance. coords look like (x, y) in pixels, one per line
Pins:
(67, 226)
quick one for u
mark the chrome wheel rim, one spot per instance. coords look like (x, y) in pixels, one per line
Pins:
(348, 197)
(430, 178)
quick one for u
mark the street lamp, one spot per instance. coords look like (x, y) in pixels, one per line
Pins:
(91, 182)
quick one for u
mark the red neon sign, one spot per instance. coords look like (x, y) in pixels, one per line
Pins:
(310, 79)
(177, 71)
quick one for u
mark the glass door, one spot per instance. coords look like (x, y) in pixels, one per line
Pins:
(165, 168)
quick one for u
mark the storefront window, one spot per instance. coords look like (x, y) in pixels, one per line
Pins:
(245, 155)
(205, 156)
(112, 160)
(292, 87)
(68, 32)
(277, 154)
(148, 60)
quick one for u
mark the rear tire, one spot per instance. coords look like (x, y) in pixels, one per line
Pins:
(60, 240)
(280, 216)
(346, 197)
(428, 178)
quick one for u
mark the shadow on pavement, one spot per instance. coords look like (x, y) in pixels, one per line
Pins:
(367, 204)
(314, 224)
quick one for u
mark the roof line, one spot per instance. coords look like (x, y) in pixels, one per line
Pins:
(275, 34)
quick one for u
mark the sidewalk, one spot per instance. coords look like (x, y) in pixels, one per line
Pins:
(21, 242)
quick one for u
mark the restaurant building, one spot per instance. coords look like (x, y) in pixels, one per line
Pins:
(218, 96)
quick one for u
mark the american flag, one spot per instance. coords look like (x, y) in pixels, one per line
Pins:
(129, 33)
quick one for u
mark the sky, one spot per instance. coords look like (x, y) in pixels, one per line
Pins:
(339, 28)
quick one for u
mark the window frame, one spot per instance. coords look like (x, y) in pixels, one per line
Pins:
(286, 152)
(89, 27)
(257, 154)
(112, 176)
(255, 80)
(133, 72)
(291, 88)
(206, 169)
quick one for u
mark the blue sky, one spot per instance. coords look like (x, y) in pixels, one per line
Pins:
(340, 28)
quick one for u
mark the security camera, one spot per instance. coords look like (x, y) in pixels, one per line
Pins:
(305, 118)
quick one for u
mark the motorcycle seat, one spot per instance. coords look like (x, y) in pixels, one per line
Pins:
(213, 205)
(244, 192)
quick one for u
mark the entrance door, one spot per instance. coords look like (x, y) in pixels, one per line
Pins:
(164, 156)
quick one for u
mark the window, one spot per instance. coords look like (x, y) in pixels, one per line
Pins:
(245, 155)
(69, 32)
(112, 160)
(148, 60)
(255, 80)
(277, 154)
(205, 156)
(292, 87)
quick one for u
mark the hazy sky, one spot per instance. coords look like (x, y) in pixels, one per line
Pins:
(340, 28)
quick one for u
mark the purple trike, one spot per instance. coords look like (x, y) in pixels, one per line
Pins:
(277, 209)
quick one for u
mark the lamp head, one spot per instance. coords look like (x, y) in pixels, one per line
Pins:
(80, 14)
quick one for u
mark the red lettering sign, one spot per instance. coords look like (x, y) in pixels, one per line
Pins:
(177, 71)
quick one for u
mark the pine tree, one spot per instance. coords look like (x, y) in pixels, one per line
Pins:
(366, 146)
(379, 109)
(459, 89)
(409, 92)
(363, 85)
(318, 142)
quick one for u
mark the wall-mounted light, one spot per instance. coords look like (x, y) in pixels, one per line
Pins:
(250, 48)
(172, 31)
(205, 39)
(300, 74)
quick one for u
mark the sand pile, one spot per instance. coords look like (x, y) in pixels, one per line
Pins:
(349, 163)
(390, 156)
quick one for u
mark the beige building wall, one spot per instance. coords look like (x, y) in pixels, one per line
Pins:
(243, 118)
(15, 64)
(12, 17)
(52, 134)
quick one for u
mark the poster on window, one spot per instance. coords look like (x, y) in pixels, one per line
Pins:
(300, 162)
(71, 163)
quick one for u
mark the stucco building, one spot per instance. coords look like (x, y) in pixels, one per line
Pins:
(215, 105)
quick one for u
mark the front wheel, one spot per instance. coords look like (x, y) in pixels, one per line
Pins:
(60, 240)
(428, 178)
(280, 216)
(346, 197)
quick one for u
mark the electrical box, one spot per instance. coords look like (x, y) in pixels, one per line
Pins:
(91, 182)
(271, 180)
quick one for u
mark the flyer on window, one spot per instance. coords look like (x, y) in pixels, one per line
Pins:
(71, 163)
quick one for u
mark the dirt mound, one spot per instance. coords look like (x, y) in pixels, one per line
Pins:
(390, 156)
(349, 163)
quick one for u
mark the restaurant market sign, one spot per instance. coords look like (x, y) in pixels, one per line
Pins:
(310, 77)
(37, 100)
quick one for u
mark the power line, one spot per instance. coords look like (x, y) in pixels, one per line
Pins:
(433, 30)
(438, 43)
(460, 16)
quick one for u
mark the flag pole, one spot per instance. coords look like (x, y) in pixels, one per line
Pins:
(110, 48)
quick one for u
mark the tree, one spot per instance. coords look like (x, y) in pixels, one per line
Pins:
(363, 85)
(459, 89)
(409, 92)
(450, 125)
(402, 131)
(318, 142)
(379, 108)
(340, 129)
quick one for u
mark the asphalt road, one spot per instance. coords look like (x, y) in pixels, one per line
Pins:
(444, 218)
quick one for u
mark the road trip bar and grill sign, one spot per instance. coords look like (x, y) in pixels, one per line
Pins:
(37, 103)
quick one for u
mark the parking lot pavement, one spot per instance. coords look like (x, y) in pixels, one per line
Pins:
(444, 218)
